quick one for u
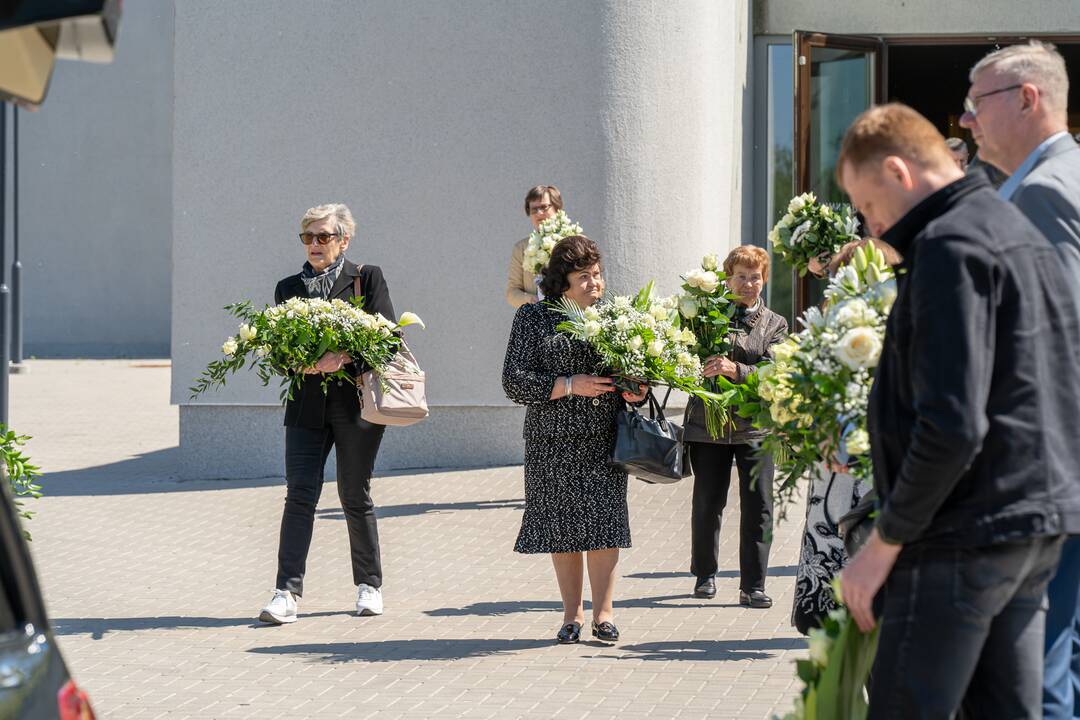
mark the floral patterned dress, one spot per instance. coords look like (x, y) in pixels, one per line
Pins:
(575, 500)
(832, 495)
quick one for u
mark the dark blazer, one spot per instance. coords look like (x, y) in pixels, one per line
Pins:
(307, 408)
(973, 417)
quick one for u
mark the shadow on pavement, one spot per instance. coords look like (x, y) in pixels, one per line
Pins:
(97, 628)
(391, 511)
(397, 650)
(780, 571)
(511, 607)
(697, 650)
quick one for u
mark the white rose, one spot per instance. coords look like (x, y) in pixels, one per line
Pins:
(635, 343)
(774, 237)
(885, 293)
(548, 244)
(710, 262)
(796, 204)
(693, 278)
(247, 332)
(659, 312)
(852, 313)
(688, 307)
(656, 348)
(783, 352)
(622, 323)
(230, 347)
(672, 332)
(787, 219)
(687, 337)
(857, 442)
(592, 328)
(859, 348)
(591, 314)
(709, 281)
(621, 301)
(684, 358)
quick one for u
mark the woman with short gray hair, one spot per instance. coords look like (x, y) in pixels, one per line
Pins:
(316, 421)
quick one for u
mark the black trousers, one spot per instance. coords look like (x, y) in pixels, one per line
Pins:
(306, 449)
(962, 633)
(712, 477)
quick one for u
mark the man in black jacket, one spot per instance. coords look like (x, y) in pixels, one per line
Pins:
(975, 431)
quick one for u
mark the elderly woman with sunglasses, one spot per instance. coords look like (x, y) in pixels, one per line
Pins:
(315, 422)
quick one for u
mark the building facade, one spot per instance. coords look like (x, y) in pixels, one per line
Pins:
(673, 128)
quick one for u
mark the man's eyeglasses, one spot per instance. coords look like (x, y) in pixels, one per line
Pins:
(535, 209)
(971, 104)
(321, 238)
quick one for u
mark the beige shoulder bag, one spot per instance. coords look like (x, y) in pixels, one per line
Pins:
(397, 395)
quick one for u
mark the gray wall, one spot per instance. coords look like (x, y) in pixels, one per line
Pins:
(431, 119)
(917, 17)
(96, 199)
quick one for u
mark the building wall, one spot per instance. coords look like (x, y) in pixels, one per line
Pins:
(916, 17)
(431, 120)
(95, 192)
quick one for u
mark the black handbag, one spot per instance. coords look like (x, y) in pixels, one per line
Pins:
(650, 448)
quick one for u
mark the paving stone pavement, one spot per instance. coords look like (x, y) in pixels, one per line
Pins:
(153, 586)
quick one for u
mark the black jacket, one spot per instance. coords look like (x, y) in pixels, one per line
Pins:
(975, 411)
(308, 405)
(753, 336)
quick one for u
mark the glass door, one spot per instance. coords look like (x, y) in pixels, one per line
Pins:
(836, 78)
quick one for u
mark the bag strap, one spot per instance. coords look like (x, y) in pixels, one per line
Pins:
(663, 405)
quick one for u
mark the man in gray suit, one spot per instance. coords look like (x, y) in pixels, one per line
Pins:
(1016, 110)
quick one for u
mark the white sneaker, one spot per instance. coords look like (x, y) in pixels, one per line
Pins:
(368, 600)
(281, 609)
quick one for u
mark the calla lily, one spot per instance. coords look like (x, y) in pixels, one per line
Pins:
(410, 318)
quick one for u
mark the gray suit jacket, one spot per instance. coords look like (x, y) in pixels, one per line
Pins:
(1050, 198)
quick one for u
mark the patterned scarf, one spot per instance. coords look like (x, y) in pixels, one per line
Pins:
(318, 284)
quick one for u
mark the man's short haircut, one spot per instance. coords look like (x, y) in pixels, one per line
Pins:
(955, 144)
(1035, 62)
(537, 194)
(893, 129)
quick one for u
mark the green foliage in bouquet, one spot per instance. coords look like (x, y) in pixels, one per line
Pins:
(281, 340)
(813, 397)
(543, 240)
(706, 308)
(640, 339)
(21, 475)
(835, 674)
(811, 229)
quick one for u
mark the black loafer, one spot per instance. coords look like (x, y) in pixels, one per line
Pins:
(755, 599)
(605, 631)
(569, 633)
(705, 588)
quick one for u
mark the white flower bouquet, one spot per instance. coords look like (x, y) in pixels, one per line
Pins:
(812, 230)
(813, 396)
(706, 308)
(281, 340)
(836, 671)
(639, 339)
(543, 240)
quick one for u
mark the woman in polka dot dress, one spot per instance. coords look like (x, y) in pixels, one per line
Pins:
(575, 501)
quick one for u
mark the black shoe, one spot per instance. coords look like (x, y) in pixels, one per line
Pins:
(605, 632)
(705, 588)
(569, 633)
(755, 599)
